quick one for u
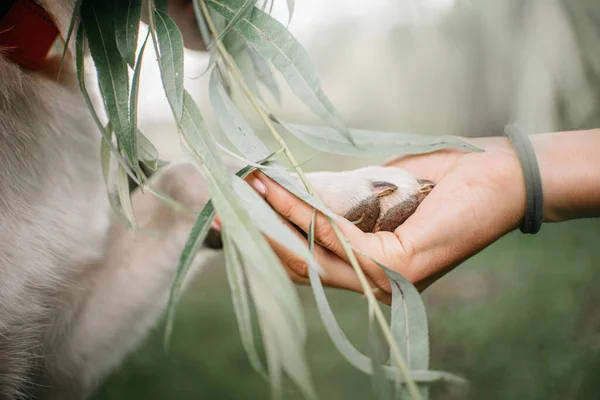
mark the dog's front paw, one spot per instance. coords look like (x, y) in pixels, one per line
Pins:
(374, 198)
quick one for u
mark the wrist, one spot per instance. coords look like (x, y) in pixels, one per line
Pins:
(570, 170)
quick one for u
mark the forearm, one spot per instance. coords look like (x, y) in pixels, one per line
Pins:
(570, 168)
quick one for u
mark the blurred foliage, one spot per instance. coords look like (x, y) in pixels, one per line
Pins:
(470, 70)
(521, 320)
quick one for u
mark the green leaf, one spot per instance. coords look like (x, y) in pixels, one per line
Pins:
(291, 5)
(70, 30)
(80, 54)
(200, 141)
(105, 152)
(202, 25)
(282, 324)
(133, 102)
(280, 337)
(280, 315)
(105, 160)
(278, 307)
(127, 14)
(98, 20)
(236, 46)
(239, 132)
(162, 5)
(243, 12)
(170, 46)
(106, 135)
(271, 225)
(241, 301)
(409, 320)
(381, 386)
(276, 44)
(125, 196)
(347, 349)
(195, 240)
(373, 143)
(264, 74)
(147, 152)
(409, 324)
(269, 222)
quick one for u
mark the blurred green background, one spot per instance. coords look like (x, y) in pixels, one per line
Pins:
(521, 320)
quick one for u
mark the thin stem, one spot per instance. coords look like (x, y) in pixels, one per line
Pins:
(239, 77)
(412, 387)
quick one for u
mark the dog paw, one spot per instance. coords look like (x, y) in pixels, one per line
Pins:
(373, 198)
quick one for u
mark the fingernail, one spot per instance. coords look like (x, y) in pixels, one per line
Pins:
(259, 186)
(215, 226)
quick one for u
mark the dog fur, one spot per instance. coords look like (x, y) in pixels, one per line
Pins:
(78, 291)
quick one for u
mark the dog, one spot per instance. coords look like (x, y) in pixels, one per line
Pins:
(78, 290)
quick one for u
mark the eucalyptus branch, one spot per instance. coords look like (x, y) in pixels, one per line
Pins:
(240, 78)
(373, 304)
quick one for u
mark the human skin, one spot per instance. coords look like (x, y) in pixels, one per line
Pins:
(478, 198)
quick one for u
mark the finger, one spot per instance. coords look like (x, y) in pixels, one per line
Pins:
(338, 273)
(300, 214)
(437, 237)
(432, 166)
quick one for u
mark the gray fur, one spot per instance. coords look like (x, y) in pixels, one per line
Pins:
(79, 291)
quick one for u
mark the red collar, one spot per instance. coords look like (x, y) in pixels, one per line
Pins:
(26, 32)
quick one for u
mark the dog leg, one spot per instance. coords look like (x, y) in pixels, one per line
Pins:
(117, 301)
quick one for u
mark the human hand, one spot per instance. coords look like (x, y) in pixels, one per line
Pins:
(478, 198)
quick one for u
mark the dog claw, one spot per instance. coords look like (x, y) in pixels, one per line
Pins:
(383, 188)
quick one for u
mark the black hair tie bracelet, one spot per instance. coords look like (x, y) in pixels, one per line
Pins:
(534, 212)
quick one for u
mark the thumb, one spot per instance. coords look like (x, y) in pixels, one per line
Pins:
(454, 222)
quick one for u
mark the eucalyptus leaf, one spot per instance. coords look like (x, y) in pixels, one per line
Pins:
(80, 62)
(355, 357)
(276, 44)
(105, 156)
(147, 152)
(99, 22)
(280, 339)
(200, 141)
(202, 25)
(125, 196)
(409, 325)
(70, 30)
(409, 320)
(106, 135)
(291, 5)
(195, 240)
(240, 225)
(105, 161)
(239, 132)
(270, 223)
(170, 46)
(264, 74)
(282, 323)
(243, 12)
(127, 14)
(162, 5)
(278, 307)
(373, 143)
(381, 386)
(241, 301)
(133, 101)
(239, 51)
